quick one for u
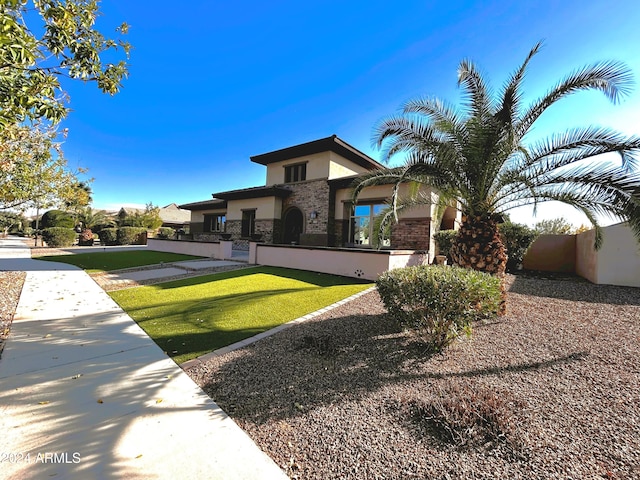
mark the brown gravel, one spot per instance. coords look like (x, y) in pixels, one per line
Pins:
(347, 396)
(10, 287)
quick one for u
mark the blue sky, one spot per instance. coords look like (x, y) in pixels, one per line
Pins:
(212, 83)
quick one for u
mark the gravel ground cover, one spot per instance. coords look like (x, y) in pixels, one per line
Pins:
(551, 390)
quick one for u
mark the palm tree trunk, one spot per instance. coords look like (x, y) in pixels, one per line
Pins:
(478, 246)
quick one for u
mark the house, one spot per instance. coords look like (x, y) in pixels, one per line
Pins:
(306, 200)
(171, 215)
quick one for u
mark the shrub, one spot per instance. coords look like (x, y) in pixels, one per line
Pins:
(444, 241)
(56, 218)
(85, 239)
(166, 232)
(517, 239)
(470, 416)
(439, 303)
(59, 236)
(108, 236)
(131, 235)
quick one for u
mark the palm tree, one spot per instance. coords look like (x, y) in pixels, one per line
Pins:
(478, 157)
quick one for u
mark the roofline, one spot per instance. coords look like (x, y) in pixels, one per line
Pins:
(254, 192)
(332, 143)
(204, 205)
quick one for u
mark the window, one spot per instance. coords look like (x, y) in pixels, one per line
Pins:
(248, 222)
(295, 173)
(362, 223)
(215, 223)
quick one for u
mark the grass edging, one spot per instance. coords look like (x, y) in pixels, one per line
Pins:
(248, 341)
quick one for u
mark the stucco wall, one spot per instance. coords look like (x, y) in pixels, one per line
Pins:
(341, 167)
(197, 216)
(380, 192)
(267, 208)
(365, 264)
(317, 167)
(218, 250)
(586, 256)
(619, 258)
(552, 253)
(616, 263)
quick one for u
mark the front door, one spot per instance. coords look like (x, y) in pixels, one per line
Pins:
(292, 226)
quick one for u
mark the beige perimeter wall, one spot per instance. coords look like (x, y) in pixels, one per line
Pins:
(616, 263)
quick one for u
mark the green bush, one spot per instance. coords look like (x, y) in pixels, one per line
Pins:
(85, 239)
(131, 236)
(517, 239)
(166, 232)
(59, 236)
(439, 303)
(108, 236)
(444, 241)
(56, 218)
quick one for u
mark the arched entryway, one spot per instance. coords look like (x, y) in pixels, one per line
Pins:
(293, 221)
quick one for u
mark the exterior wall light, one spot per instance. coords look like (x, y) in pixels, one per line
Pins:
(313, 215)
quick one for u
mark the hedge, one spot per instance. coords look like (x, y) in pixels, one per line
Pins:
(59, 236)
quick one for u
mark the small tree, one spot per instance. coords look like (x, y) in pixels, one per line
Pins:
(33, 170)
(554, 226)
(149, 218)
(9, 220)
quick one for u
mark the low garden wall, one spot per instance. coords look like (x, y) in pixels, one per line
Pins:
(348, 262)
(219, 250)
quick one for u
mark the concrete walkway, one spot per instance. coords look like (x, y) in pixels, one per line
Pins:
(85, 393)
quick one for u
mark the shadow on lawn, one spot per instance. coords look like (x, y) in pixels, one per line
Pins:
(576, 290)
(323, 363)
(314, 278)
(216, 321)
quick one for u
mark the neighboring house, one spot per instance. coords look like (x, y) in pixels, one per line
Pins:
(171, 215)
(307, 201)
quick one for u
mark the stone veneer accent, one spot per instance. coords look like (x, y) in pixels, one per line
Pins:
(411, 234)
(309, 196)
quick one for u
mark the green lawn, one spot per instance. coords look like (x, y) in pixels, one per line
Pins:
(106, 261)
(188, 318)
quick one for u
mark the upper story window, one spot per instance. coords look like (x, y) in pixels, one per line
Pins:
(295, 173)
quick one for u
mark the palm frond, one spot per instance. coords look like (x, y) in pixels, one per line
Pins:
(613, 79)
(512, 92)
(476, 93)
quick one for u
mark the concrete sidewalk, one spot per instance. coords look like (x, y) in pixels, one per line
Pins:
(85, 393)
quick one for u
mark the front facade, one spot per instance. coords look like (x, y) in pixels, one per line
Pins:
(306, 200)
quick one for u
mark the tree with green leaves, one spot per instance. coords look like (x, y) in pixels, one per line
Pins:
(33, 170)
(147, 218)
(481, 157)
(11, 220)
(554, 226)
(69, 46)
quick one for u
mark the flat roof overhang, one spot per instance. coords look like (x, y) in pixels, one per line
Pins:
(332, 143)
